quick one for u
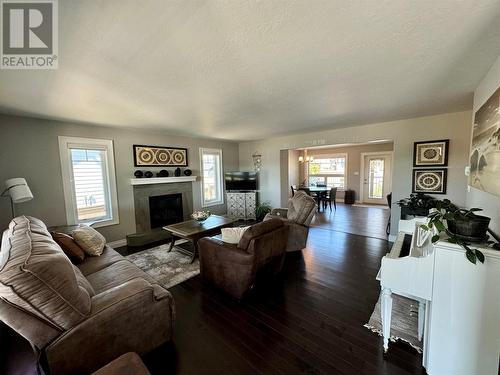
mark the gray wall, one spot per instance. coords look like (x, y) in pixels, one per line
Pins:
(477, 198)
(453, 126)
(29, 148)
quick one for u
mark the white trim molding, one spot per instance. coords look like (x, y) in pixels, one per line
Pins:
(161, 180)
(219, 180)
(65, 146)
(362, 169)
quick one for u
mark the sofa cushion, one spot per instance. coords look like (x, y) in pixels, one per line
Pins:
(116, 274)
(83, 282)
(257, 230)
(300, 208)
(39, 278)
(90, 240)
(74, 252)
(94, 264)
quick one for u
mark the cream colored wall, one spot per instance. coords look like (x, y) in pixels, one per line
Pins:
(476, 198)
(353, 161)
(29, 148)
(453, 126)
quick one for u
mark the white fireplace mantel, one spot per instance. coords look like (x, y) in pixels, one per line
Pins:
(161, 180)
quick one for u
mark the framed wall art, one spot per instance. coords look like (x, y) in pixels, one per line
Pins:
(484, 157)
(431, 153)
(159, 156)
(431, 181)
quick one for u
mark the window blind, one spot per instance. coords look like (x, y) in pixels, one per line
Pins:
(90, 184)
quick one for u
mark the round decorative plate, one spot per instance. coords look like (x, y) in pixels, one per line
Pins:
(178, 157)
(430, 153)
(429, 181)
(163, 157)
(146, 156)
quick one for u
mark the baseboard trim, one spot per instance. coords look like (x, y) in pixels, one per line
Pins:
(341, 200)
(118, 243)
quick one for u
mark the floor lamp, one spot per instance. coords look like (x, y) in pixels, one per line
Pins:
(18, 191)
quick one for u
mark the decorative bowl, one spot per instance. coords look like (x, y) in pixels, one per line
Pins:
(200, 216)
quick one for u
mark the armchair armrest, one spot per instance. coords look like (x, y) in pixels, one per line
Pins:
(135, 316)
(217, 249)
(226, 265)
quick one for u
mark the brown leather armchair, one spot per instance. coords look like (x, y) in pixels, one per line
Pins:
(235, 268)
(297, 217)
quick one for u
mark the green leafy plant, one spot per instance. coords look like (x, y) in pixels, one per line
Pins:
(417, 201)
(262, 210)
(445, 212)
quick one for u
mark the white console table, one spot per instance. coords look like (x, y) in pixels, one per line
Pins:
(242, 205)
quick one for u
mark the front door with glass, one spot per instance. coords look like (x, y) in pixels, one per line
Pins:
(377, 178)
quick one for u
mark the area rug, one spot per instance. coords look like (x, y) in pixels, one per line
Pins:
(167, 268)
(404, 321)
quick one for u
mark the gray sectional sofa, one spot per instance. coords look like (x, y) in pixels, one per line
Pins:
(78, 318)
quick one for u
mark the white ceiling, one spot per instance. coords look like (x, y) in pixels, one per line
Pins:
(246, 69)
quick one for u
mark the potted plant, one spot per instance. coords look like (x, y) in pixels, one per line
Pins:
(460, 225)
(417, 204)
(262, 210)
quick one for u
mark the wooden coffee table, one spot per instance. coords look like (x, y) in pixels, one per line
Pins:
(192, 231)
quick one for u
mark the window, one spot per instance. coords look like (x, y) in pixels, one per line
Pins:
(329, 171)
(211, 180)
(376, 178)
(89, 181)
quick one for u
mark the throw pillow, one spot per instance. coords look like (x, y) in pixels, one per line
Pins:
(72, 250)
(232, 235)
(91, 241)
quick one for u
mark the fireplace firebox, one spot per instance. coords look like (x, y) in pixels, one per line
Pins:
(165, 209)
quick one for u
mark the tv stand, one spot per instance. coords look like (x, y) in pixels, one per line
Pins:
(242, 205)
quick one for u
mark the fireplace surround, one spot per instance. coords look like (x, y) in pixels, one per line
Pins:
(145, 230)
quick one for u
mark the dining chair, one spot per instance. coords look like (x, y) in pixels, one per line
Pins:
(332, 197)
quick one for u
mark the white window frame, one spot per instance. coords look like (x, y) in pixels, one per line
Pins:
(65, 143)
(220, 181)
(331, 156)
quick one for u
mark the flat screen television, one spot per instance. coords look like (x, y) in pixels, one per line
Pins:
(241, 181)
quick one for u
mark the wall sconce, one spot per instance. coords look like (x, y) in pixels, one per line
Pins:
(257, 161)
(301, 159)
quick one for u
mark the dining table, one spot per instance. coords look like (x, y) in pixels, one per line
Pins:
(317, 192)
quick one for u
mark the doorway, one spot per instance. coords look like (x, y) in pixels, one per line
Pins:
(376, 177)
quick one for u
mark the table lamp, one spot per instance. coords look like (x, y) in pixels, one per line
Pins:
(18, 191)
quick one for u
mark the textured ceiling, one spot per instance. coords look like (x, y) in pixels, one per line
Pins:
(246, 70)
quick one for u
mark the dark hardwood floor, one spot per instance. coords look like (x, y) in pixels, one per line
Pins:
(307, 321)
(365, 221)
